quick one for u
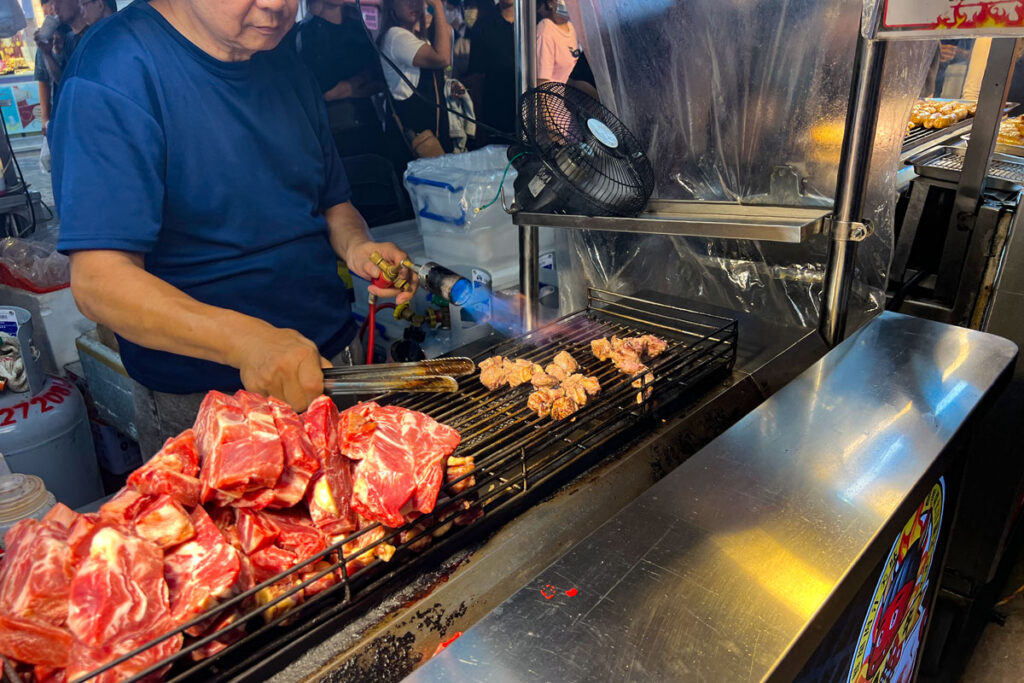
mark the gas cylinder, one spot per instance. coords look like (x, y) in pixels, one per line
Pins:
(45, 431)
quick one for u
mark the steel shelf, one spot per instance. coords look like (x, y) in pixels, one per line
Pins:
(723, 220)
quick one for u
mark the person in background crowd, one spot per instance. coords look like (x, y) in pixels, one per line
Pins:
(47, 83)
(403, 41)
(334, 45)
(94, 11)
(558, 48)
(491, 76)
(461, 46)
(57, 51)
(209, 245)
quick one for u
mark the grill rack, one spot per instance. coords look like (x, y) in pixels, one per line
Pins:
(515, 453)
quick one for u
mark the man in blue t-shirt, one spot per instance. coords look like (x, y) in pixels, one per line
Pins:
(204, 205)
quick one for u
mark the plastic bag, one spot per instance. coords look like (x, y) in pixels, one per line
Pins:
(33, 265)
(44, 156)
(723, 92)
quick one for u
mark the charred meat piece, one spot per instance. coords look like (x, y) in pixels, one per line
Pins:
(519, 372)
(564, 360)
(540, 401)
(563, 408)
(492, 373)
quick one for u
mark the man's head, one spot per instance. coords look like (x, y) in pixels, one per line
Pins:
(94, 10)
(68, 11)
(236, 28)
(49, 9)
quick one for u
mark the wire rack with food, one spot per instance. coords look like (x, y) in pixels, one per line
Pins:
(934, 114)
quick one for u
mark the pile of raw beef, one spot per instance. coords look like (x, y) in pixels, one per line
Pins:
(252, 490)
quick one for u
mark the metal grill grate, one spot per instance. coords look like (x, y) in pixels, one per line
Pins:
(514, 453)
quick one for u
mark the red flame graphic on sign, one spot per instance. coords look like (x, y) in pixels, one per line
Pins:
(983, 15)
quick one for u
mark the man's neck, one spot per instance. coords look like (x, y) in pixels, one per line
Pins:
(508, 13)
(331, 13)
(78, 24)
(187, 25)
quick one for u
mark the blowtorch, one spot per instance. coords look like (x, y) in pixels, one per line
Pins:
(434, 278)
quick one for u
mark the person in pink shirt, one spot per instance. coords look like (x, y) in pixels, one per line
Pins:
(558, 48)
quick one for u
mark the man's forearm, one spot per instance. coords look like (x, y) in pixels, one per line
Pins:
(113, 289)
(347, 228)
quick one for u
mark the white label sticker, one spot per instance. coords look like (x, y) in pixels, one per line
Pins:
(536, 185)
(8, 322)
(547, 261)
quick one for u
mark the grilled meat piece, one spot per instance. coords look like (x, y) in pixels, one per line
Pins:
(591, 385)
(519, 372)
(540, 401)
(574, 388)
(557, 372)
(639, 382)
(542, 380)
(564, 360)
(629, 354)
(601, 348)
(654, 346)
(492, 373)
(458, 467)
(563, 408)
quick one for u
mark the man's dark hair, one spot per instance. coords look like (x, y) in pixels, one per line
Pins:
(112, 4)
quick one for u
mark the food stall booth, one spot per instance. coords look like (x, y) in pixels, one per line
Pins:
(776, 498)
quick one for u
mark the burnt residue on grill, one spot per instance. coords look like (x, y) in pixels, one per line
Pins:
(392, 659)
(439, 621)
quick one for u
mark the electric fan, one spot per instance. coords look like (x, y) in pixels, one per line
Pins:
(575, 157)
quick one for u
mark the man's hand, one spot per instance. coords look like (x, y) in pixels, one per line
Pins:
(947, 53)
(283, 364)
(359, 262)
(44, 45)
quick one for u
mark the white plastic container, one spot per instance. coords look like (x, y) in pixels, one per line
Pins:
(22, 496)
(57, 324)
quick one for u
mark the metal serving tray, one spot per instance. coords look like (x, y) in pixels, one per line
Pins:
(1005, 172)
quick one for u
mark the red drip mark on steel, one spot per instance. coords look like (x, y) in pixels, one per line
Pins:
(572, 592)
(446, 643)
(548, 591)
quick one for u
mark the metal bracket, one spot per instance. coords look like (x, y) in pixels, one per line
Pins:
(849, 231)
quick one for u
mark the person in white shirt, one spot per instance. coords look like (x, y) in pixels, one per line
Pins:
(403, 41)
(558, 47)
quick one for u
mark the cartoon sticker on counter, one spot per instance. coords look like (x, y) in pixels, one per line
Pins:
(891, 635)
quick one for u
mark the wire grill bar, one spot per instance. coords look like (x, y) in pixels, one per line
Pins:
(514, 451)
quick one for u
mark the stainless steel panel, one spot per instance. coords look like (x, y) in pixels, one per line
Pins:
(716, 572)
(700, 219)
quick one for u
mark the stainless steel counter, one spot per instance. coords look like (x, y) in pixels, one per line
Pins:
(719, 571)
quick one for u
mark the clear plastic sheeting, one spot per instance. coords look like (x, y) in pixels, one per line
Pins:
(726, 94)
(33, 264)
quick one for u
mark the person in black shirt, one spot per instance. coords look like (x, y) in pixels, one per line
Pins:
(334, 45)
(491, 77)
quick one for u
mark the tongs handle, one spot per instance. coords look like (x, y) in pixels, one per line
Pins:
(450, 367)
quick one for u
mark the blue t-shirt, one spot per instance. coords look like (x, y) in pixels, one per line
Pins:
(219, 173)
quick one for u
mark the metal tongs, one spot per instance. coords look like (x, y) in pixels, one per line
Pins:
(427, 376)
